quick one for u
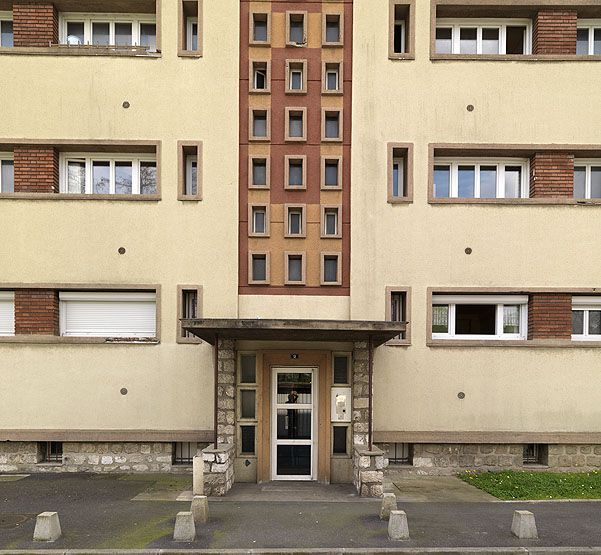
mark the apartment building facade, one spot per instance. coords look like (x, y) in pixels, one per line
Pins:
(305, 239)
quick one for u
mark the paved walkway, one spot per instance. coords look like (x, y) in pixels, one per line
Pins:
(100, 512)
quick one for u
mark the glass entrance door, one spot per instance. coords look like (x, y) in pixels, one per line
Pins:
(293, 423)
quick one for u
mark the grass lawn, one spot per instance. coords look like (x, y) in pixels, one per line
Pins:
(510, 485)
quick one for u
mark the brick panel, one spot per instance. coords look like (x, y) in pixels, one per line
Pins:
(36, 312)
(554, 32)
(551, 175)
(34, 23)
(550, 316)
(36, 169)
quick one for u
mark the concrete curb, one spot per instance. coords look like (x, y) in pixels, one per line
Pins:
(324, 551)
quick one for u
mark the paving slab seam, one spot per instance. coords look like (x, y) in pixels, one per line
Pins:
(324, 551)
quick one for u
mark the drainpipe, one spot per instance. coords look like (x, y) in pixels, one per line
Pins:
(216, 372)
(370, 370)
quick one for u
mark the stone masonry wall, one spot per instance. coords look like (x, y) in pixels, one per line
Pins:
(226, 392)
(574, 457)
(91, 457)
(360, 393)
(218, 469)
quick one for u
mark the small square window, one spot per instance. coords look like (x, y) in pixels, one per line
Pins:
(184, 452)
(247, 440)
(295, 268)
(332, 31)
(295, 173)
(259, 268)
(259, 78)
(296, 124)
(248, 402)
(50, 452)
(535, 453)
(259, 31)
(296, 29)
(258, 172)
(330, 269)
(332, 125)
(259, 125)
(399, 453)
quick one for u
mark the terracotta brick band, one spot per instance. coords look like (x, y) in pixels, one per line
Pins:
(34, 23)
(36, 312)
(554, 32)
(550, 316)
(36, 169)
(551, 175)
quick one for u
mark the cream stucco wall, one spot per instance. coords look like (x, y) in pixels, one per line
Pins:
(422, 245)
(168, 242)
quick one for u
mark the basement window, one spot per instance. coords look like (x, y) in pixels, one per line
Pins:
(183, 453)
(399, 453)
(6, 30)
(50, 452)
(483, 36)
(535, 453)
(478, 317)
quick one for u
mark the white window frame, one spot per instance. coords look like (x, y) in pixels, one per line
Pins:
(336, 72)
(331, 211)
(488, 23)
(591, 25)
(400, 161)
(4, 157)
(586, 304)
(254, 211)
(111, 18)
(103, 296)
(256, 72)
(8, 298)
(190, 160)
(297, 210)
(190, 22)
(588, 165)
(497, 300)
(500, 164)
(89, 157)
(7, 16)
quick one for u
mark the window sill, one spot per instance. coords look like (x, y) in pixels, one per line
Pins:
(188, 341)
(259, 91)
(398, 343)
(70, 196)
(189, 198)
(401, 57)
(558, 201)
(77, 51)
(189, 54)
(515, 57)
(56, 339)
(530, 343)
(400, 200)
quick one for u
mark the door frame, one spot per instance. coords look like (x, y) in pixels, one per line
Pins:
(314, 441)
(294, 358)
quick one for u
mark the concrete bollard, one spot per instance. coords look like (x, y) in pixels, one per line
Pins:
(198, 470)
(398, 528)
(47, 527)
(184, 531)
(524, 526)
(200, 509)
(388, 504)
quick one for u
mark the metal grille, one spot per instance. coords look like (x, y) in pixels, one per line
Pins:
(400, 453)
(397, 310)
(189, 306)
(183, 452)
(532, 453)
(51, 451)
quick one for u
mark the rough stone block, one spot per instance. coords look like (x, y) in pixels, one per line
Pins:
(388, 505)
(200, 509)
(184, 531)
(523, 525)
(198, 474)
(47, 527)
(398, 528)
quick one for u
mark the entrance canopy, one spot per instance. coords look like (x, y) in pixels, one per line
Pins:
(209, 329)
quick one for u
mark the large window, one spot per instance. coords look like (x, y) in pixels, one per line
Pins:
(108, 174)
(6, 29)
(107, 314)
(7, 313)
(586, 318)
(109, 30)
(588, 41)
(479, 316)
(483, 36)
(587, 179)
(7, 173)
(460, 178)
